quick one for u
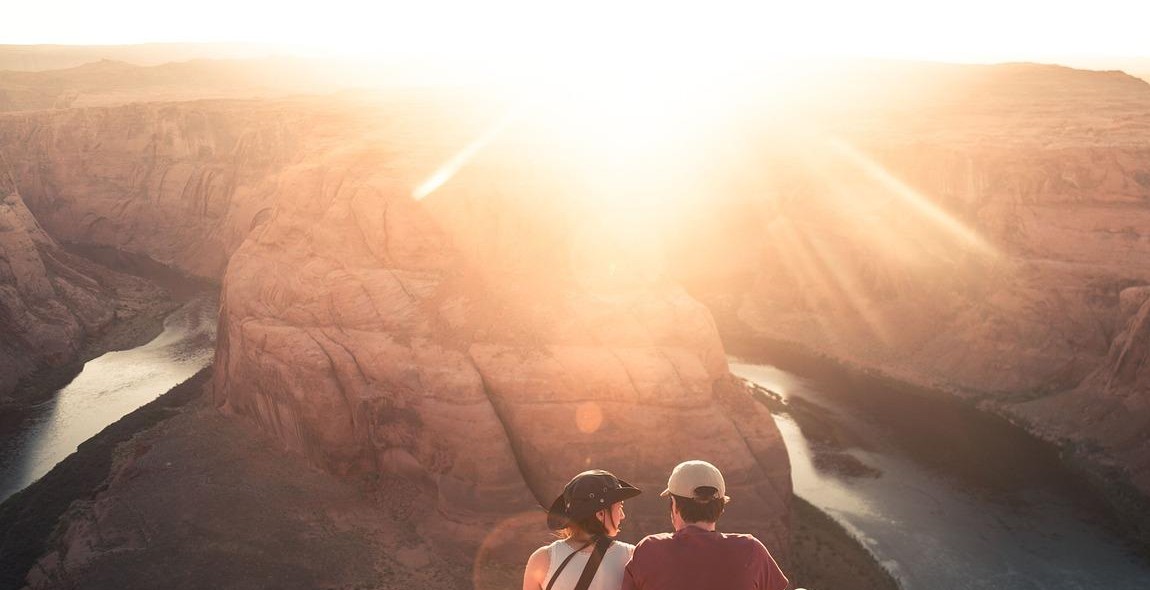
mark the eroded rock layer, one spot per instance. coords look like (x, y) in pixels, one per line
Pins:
(489, 340)
(51, 301)
(181, 183)
(991, 239)
(466, 340)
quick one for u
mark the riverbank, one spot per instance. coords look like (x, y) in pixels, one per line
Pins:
(131, 328)
(180, 495)
(827, 557)
(141, 328)
(1126, 510)
(28, 518)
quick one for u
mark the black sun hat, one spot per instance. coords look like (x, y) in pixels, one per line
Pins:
(586, 494)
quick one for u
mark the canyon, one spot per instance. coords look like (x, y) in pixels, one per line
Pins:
(55, 306)
(418, 288)
(996, 249)
(447, 342)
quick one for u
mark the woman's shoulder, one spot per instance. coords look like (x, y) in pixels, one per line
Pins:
(537, 566)
(621, 546)
(549, 548)
(540, 555)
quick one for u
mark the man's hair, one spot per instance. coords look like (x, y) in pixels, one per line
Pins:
(704, 507)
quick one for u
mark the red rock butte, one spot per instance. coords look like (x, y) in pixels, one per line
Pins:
(455, 341)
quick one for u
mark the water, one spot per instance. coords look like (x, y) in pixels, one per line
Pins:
(947, 497)
(33, 441)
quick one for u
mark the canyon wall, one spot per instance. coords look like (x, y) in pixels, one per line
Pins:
(152, 179)
(51, 301)
(472, 342)
(181, 183)
(486, 342)
(416, 287)
(992, 244)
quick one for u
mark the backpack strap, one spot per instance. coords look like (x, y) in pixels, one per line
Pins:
(559, 569)
(602, 544)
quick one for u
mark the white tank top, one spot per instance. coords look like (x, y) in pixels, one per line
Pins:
(609, 576)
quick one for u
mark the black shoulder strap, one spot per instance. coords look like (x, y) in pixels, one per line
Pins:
(559, 569)
(601, 545)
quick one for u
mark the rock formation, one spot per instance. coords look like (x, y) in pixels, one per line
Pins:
(464, 341)
(486, 342)
(985, 240)
(180, 183)
(52, 301)
(484, 329)
(1107, 416)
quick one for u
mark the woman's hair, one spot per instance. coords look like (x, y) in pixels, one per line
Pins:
(706, 508)
(589, 524)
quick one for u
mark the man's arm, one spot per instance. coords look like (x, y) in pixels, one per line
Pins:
(770, 576)
(629, 579)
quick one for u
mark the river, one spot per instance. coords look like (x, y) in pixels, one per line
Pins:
(34, 440)
(941, 494)
(944, 496)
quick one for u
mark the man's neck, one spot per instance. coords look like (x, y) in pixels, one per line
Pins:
(706, 526)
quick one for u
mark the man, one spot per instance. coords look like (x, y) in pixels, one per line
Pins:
(696, 556)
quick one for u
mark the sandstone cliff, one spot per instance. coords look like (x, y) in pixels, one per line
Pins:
(180, 183)
(982, 237)
(51, 301)
(463, 341)
(985, 232)
(478, 343)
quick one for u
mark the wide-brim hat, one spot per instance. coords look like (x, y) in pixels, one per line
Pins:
(586, 494)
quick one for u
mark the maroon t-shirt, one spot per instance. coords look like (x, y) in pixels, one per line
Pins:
(696, 559)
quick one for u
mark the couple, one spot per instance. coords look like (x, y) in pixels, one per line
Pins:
(694, 557)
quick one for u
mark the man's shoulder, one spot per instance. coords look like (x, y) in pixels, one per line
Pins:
(655, 539)
(742, 537)
(744, 540)
(651, 541)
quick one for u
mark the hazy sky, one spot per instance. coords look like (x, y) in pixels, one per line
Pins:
(967, 30)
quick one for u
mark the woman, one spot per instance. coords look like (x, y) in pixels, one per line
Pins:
(587, 516)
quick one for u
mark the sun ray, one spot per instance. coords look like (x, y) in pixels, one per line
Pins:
(848, 285)
(802, 271)
(915, 200)
(451, 167)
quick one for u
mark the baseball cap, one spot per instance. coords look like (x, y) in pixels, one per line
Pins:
(689, 476)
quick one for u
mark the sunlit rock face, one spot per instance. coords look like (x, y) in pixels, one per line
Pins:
(410, 294)
(960, 270)
(984, 240)
(50, 300)
(181, 183)
(488, 341)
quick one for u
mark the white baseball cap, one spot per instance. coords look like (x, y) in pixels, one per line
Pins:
(689, 476)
